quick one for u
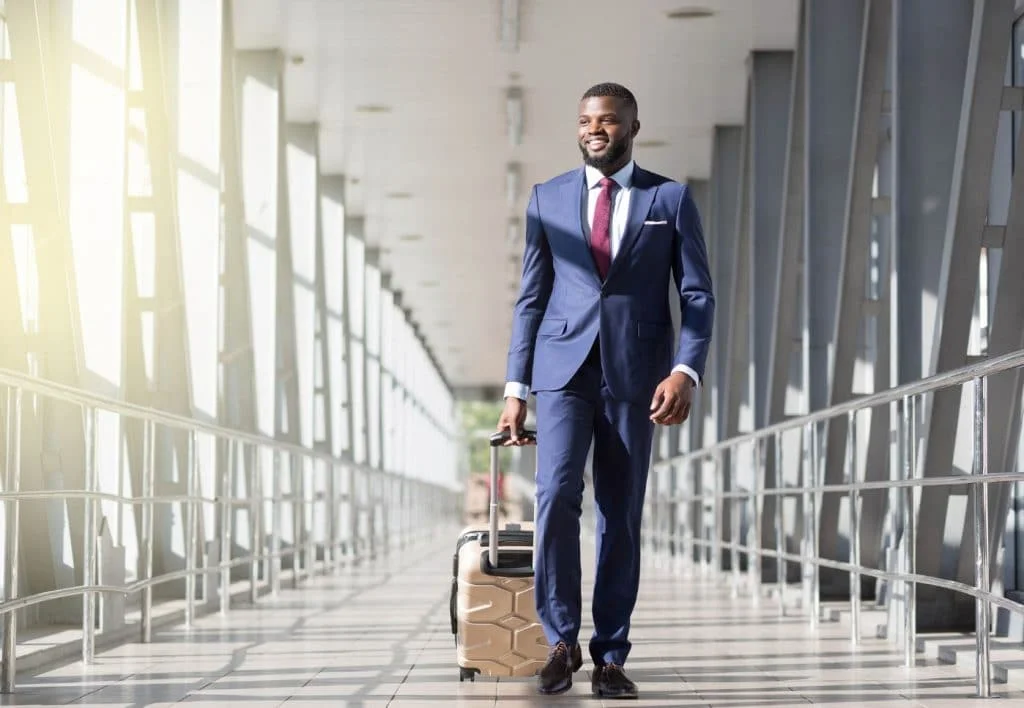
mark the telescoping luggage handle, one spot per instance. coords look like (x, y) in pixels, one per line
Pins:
(497, 440)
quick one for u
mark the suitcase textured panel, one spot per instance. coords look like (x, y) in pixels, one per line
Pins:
(496, 625)
(493, 615)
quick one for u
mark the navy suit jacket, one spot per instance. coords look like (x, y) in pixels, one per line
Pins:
(563, 305)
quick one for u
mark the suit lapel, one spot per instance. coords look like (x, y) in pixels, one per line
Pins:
(572, 196)
(640, 202)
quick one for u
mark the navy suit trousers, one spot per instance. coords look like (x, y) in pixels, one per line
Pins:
(568, 421)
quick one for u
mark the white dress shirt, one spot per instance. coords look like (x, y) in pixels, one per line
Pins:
(620, 215)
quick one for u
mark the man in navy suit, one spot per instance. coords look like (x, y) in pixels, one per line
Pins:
(592, 338)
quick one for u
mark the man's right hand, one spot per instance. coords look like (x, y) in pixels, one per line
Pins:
(513, 417)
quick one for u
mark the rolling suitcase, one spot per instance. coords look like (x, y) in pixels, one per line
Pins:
(493, 616)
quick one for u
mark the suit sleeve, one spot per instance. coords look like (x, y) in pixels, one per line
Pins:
(534, 291)
(693, 281)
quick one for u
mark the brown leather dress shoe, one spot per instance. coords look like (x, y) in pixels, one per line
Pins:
(556, 674)
(610, 681)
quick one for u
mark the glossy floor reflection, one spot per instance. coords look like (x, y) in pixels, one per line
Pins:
(380, 636)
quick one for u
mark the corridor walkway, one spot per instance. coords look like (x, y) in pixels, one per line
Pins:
(380, 636)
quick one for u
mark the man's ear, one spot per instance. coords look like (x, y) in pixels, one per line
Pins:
(636, 127)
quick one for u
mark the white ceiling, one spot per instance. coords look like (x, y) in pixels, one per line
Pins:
(439, 67)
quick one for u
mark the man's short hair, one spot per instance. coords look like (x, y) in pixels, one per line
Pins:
(613, 90)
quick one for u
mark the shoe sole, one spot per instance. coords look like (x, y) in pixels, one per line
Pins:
(620, 696)
(560, 688)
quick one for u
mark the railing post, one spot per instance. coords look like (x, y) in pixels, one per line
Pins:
(780, 563)
(908, 559)
(754, 547)
(12, 484)
(148, 491)
(297, 473)
(983, 664)
(333, 508)
(811, 525)
(191, 528)
(309, 496)
(680, 516)
(227, 510)
(275, 530)
(851, 463)
(734, 522)
(255, 522)
(756, 555)
(355, 512)
(717, 518)
(89, 554)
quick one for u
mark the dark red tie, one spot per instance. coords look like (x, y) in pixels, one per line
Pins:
(601, 231)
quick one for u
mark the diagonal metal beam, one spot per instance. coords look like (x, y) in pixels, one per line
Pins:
(700, 190)
(968, 212)
(783, 301)
(171, 387)
(1004, 390)
(735, 374)
(874, 465)
(723, 210)
(771, 104)
(874, 51)
(59, 354)
(236, 371)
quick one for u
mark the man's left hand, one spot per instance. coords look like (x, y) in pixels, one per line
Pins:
(671, 402)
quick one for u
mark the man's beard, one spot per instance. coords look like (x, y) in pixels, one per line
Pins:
(612, 155)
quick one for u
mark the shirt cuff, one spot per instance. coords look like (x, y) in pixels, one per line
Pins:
(514, 389)
(688, 371)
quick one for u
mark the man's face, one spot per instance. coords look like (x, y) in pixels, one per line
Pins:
(606, 129)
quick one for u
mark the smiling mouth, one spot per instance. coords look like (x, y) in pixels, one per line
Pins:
(597, 143)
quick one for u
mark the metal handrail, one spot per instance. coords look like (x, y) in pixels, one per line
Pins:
(370, 489)
(811, 489)
(946, 379)
(88, 399)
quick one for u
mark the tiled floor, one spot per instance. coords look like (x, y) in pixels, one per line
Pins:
(380, 636)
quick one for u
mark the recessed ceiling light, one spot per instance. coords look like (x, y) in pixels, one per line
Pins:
(373, 108)
(410, 237)
(297, 59)
(429, 284)
(399, 195)
(690, 13)
(650, 143)
(443, 324)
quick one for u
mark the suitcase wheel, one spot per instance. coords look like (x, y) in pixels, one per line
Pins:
(465, 673)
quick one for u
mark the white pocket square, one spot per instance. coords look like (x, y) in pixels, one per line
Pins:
(654, 223)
